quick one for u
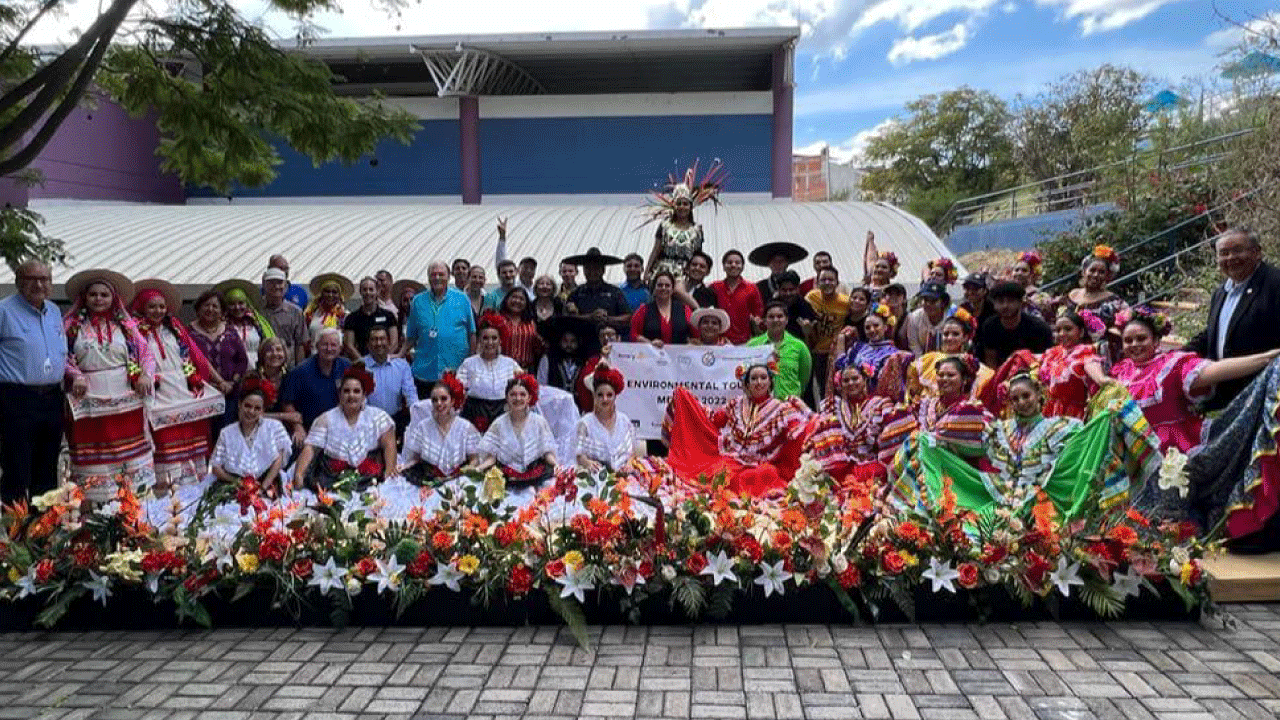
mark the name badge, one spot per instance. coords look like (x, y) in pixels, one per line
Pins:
(432, 334)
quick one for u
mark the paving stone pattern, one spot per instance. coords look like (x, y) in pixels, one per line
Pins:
(1033, 671)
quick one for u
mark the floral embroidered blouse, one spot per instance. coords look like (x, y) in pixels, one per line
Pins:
(753, 432)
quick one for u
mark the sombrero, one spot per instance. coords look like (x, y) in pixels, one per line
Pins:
(76, 284)
(593, 256)
(397, 287)
(251, 291)
(587, 332)
(712, 312)
(172, 298)
(345, 286)
(791, 251)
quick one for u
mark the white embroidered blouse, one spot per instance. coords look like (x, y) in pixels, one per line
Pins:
(518, 450)
(487, 380)
(595, 441)
(350, 443)
(447, 451)
(251, 456)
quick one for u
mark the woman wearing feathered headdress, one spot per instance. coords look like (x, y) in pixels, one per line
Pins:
(678, 236)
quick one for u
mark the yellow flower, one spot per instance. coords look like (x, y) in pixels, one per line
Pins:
(468, 564)
(14, 575)
(494, 487)
(1187, 569)
(573, 559)
(910, 559)
(247, 562)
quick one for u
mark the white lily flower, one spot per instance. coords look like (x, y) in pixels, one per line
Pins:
(1128, 584)
(1173, 472)
(773, 578)
(99, 585)
(1065, 576)
(388, 574)
(575, 583)
(328, 576)
(448, 576)
(942, 576)
(110, 509)
(27, 583)
(720, 568)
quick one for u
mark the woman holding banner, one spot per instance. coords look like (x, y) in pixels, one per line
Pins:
(754, 440)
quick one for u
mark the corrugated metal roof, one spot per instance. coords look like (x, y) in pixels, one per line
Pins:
(196, 245)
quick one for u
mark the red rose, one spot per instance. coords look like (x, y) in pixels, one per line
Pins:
(850, 578)
(1037, 568)
(420, 566)
(44, 571)
(520, 580)
(366, 567)
(695, 563)
(555, 568)
(442, 540)
(968, 575)
(299, 534)
(273, 546)
(893, 562)
(302, 568)
(747, 545)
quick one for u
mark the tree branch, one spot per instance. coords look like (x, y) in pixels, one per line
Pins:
(13, 44)
(88, 70)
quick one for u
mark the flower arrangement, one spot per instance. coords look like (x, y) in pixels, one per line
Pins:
(584, 538)
(1158, 320)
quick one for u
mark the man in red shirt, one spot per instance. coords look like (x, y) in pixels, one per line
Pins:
(737, 297)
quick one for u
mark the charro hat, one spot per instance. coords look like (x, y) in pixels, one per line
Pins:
(593, 256)
(764, 253)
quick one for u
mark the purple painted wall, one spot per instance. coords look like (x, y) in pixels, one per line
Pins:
(101, 153)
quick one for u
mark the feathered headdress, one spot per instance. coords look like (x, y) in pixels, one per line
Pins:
(663, 202)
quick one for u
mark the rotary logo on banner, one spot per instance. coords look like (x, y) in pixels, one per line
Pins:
(653, 374)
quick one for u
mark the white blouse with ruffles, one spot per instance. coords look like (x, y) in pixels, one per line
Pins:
(350, 443)
(251, 456)
(447, 451)
(518, 450)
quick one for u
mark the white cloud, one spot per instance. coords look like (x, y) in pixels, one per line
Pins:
(851, 150)
(1233, 35)
(929, 47)
(1102, 15)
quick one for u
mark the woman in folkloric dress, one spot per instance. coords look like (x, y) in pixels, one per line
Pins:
(439, 446)
(678, 236)
(606, 438)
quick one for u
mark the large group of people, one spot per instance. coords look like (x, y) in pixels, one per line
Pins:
(354, 382)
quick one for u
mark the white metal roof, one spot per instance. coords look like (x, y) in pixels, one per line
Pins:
(196, 246)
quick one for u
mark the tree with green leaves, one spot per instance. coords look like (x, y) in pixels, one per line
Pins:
(221, 88)
(948, 146)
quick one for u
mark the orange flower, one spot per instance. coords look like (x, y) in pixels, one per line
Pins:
(1138, 517)
(1043, 513)
(794, 521)
(597, 507)
(1123, 534)
(473, 525)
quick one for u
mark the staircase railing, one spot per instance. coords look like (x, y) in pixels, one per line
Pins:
(1075, 189)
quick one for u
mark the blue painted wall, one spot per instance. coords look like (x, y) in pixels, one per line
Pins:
(620, 154)
(541, 156)
(1019, 233)
(428, 166)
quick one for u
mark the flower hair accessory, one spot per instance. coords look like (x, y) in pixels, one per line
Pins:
(884, 312)
(1092, 323)
(1157, 320)
(1032, 259)
(950, 274)
(365, 379)
(492, 319)
(745, 369)
(605, 375)
(892, 259)
(255, 384)
(1106, 254)
(966, 319)
(529, 383)
(453, 386)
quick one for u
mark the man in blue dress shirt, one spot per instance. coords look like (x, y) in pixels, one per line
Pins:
(393, 387)
(33, 361)
(441, 329)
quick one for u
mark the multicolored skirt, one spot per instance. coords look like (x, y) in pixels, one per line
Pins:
(182, 450)
(108, 444)
(481, 413)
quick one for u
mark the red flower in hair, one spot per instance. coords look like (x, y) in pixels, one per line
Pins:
(608, 376)
(358, 372)
(262, 385)
(493, 319)
(529, 383)
(457, 393)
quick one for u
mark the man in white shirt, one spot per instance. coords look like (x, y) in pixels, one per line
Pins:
(394, 391)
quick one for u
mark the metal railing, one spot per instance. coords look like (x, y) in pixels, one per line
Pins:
(1075, 189)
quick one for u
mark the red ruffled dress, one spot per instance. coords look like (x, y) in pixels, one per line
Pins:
(1162, 388)
(756, 443)
(1060, 370)
(856, 442)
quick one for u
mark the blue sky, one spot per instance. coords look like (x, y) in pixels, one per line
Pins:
(859, 61)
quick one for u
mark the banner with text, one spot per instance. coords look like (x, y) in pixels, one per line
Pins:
(653, 374)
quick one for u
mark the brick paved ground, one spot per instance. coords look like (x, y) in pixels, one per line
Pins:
(1035, 671)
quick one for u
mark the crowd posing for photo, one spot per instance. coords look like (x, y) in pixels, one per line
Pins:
(294, 387)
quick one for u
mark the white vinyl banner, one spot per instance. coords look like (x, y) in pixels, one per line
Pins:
(653, 374)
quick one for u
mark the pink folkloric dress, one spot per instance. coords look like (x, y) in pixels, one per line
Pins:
(1162, 388)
